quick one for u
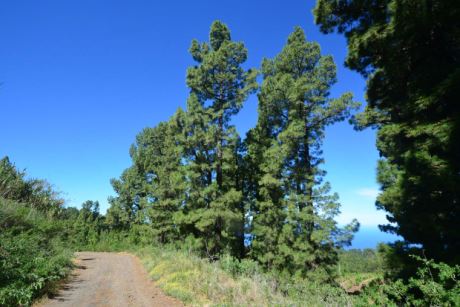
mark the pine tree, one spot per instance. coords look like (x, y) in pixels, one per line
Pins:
(151, 191)
(409, 52)
(157, 154)
(219, 86)
(128, 207)
(293, 217)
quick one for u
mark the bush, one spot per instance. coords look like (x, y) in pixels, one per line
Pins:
(37, 193)
(435, 284)
(236, 267)
(32, 255)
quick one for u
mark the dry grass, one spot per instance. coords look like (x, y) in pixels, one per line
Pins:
(198, 282)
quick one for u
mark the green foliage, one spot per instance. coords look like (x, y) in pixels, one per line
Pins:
(152, 190)
(239, 267)
(434, 284)
(360, 261)
(33, 255)
(293, 210)
(408, 50)
(185, 180)
(85, 229)
(38, 236)
(128, 207)
(194, 182)
(195, 185)
(219, 85)
(36, 192)
(231, 282)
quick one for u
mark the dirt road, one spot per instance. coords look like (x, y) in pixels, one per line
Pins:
(109, 279)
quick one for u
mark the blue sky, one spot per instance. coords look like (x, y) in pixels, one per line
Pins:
(81, 78)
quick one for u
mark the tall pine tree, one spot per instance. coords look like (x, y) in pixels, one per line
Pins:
(293, 215)
(219, 85)
(157, 154)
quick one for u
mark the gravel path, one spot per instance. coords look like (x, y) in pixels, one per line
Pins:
(109, 279)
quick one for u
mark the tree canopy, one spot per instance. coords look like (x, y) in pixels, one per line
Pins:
(409, 51)
(194, 180)
(293, 226)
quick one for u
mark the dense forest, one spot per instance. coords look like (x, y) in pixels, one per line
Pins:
(259, 204)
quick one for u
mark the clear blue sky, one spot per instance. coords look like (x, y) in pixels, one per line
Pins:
(81, 78)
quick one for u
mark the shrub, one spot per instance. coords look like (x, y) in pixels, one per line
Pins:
(236, 267)
(435, 284)
(32, 254)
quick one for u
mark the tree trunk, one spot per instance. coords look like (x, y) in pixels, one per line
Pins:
(309, 182)
(219, 152)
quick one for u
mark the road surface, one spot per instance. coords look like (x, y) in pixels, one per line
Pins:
(109, 279)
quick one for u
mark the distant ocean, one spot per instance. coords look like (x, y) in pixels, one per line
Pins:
(366, 237)
(370, 236)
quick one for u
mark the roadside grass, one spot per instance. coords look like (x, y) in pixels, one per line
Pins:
(196, 281)
(229, 282)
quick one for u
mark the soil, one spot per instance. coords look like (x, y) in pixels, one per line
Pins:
(108, 279)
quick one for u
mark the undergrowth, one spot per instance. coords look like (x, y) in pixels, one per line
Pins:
(36, 250)
(230, 282)
(33, 256)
